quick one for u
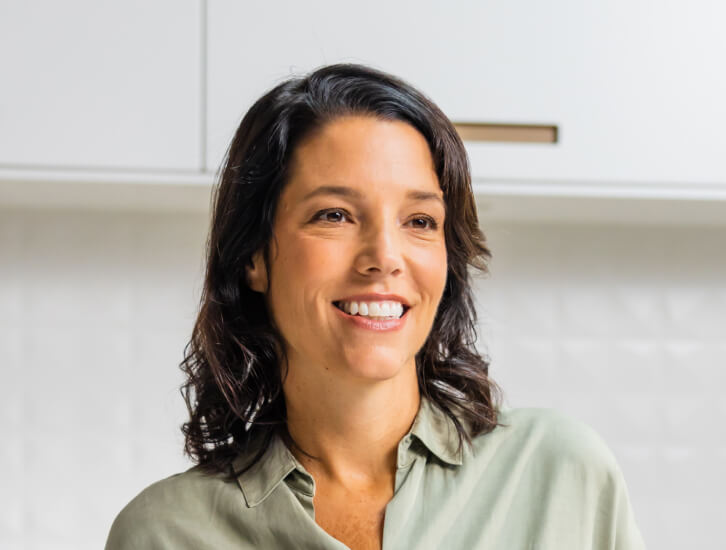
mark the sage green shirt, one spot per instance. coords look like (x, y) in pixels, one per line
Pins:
(542, 481)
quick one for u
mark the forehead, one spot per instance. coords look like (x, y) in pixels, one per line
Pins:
(363, 153)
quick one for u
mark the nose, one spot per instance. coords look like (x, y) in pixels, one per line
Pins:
(380, 250)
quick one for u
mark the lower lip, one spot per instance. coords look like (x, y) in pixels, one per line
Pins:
(371, 324)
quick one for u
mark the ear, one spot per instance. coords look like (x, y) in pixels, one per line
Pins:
(257, 273)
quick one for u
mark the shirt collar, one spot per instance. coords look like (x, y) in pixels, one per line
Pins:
(276, 464)
(437, 431)
(431, 427)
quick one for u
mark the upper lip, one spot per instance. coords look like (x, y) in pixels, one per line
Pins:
(375, 298)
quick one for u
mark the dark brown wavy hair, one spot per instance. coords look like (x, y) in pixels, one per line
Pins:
(234, 359)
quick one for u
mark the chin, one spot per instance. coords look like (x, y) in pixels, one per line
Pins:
(378, 368)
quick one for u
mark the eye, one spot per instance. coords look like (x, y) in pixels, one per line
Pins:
(423, 220)
(331, 215)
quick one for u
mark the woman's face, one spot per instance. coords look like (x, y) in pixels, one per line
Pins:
(362, 213)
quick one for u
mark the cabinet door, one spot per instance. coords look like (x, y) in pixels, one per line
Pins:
(100, 84)
(634, 86)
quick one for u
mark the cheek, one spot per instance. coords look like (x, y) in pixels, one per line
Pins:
(304, 267)
(311, 260)
(432, 270)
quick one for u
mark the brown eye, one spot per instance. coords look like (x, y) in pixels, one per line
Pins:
(331, 215)
(424, 222)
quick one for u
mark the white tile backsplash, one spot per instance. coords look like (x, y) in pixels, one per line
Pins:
(635, 346)
(622, 327)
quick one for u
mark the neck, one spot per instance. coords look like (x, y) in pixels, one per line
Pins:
(352, 427)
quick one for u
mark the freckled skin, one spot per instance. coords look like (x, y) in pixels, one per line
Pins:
(355, 519)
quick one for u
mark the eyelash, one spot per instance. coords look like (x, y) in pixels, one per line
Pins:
(432, 222)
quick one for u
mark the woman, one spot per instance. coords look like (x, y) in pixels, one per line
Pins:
(336, 396)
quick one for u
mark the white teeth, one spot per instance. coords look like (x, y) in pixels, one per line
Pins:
(373, 309)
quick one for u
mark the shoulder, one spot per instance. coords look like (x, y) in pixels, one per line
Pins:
(183, 499)
(184, 491)
(558, 476)
(567, 466)
(550, 440)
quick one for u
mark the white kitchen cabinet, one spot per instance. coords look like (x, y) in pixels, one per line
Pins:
(635, 86)
(90, 84)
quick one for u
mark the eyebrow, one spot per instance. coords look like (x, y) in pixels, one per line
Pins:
(347, 192)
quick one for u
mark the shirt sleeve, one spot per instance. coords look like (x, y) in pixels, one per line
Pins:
(604, 491)
(123, 536)
(619, 530)
(128, 530)
(573, 490)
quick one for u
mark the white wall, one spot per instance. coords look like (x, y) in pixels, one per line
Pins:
(620, 326)
(95, 308)
(625, 328)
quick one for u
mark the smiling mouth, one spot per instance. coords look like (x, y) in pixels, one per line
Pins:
(405, 309)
